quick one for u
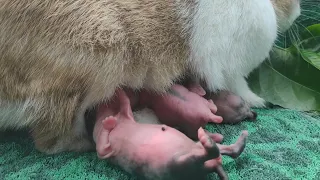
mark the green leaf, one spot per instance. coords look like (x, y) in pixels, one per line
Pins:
(311, 57)
(310, 31)
(309, 49)
(309, 45)
(291, 77)
(287, 80)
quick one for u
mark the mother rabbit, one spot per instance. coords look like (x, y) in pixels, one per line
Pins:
(60, 57)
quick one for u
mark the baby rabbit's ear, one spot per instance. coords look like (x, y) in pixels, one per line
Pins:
(124, 105)
(103, 145)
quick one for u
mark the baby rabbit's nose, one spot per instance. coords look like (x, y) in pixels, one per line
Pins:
(252, 116)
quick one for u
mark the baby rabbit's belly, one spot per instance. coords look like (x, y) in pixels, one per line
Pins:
(148, 141)
(153, 151)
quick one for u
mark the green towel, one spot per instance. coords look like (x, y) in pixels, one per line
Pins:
(282, 144)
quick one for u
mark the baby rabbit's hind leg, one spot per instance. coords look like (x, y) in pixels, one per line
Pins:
(234, 150)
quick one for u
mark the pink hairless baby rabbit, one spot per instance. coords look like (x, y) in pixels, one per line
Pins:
(156, 152)
(186, 108)
(182, 107)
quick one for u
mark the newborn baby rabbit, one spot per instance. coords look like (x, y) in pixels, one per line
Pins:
(59, 58)
(187, 109)
(154, 151)
(182, 108)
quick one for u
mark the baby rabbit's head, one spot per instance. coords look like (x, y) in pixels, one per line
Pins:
(287, 12)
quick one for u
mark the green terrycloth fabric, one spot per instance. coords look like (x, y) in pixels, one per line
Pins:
(282, 144)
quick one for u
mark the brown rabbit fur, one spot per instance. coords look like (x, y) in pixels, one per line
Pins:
(59, 58)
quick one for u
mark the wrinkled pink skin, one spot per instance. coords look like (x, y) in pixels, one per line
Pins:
(183, 108)
(231, 108)
(156, 151)
(188, 109)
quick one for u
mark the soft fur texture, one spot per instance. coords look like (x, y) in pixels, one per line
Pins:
(59, 58)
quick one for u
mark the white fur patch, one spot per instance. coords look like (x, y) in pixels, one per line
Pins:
(296, 12)
(230, 39)
(146, 116)
(285, 21)
(11, 115)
